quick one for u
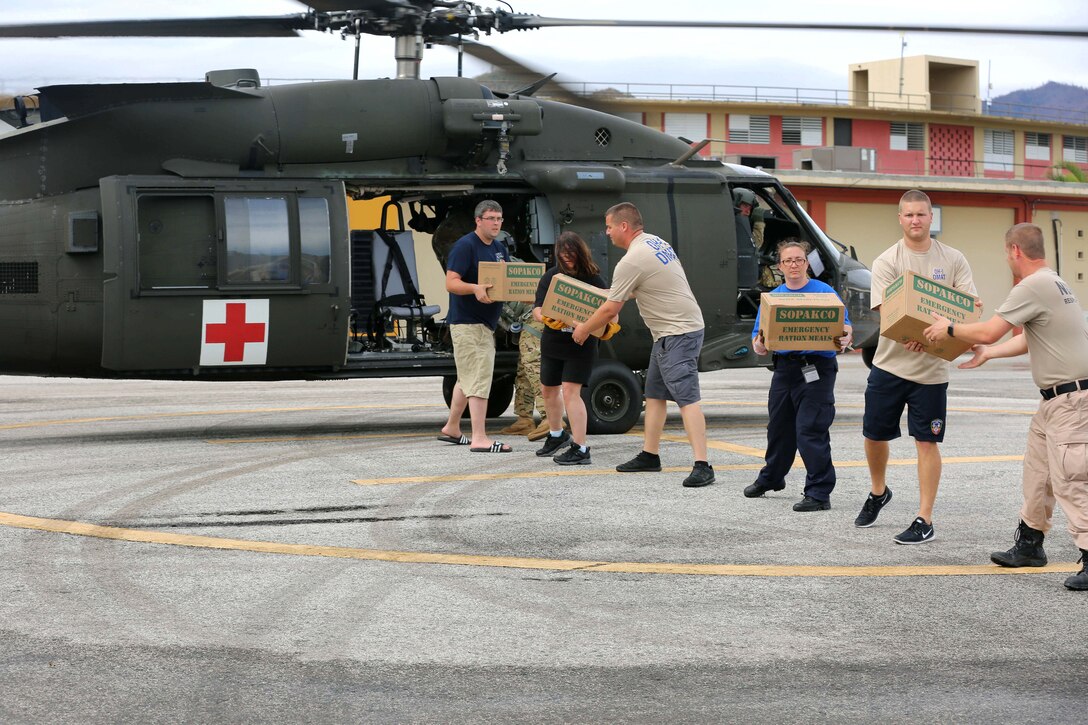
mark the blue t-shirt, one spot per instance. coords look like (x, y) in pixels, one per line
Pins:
(813, 285)
(465, 257)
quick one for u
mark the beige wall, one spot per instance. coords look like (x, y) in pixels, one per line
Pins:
(977, 232)
(980, 234)
(921, 76)
(870, 228)
(1074, 260)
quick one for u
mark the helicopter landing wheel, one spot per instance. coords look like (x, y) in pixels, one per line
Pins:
(613, 398)
(502, 392)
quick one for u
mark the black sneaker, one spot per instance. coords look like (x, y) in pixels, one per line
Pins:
(757, 489)
(871, 509)
(811, 504)
(702, 474)
(918, 532)
(1079, 581)
(648, 462)
(553, 443)
(573, 456)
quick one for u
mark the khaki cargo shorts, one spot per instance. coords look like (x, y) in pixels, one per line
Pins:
(474, 355)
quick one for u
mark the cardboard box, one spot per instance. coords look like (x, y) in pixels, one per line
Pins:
(573, 301)
(511, 281)
(908, 307)
(801, 320)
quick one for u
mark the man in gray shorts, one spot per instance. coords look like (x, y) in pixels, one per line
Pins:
(651, 272)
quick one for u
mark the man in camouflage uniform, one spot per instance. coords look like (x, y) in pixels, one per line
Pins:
(519, 316)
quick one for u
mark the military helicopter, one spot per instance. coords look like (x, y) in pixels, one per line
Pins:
(200, 230)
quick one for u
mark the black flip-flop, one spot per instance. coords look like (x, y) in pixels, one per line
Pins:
(495, 447)
(462, 441)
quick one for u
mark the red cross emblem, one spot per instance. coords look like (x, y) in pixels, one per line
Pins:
(235, 332)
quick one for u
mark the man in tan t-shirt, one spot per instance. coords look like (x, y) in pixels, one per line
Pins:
(651, 272)
(1056, 335)
(904, 376)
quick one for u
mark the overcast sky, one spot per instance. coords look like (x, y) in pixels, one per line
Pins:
(614, 56)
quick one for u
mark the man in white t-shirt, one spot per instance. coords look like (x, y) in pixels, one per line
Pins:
(1056, 335)
(904, 376)
(651, 273)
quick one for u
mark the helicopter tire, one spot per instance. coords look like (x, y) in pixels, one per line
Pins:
(613, 398)
(502, 392)
(867, 355)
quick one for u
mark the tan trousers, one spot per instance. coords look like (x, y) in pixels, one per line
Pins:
(1056, 465)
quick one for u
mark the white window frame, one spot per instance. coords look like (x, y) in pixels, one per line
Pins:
(744, 128)
(1037, 146)
(907, 136)
(692, 126)
(1075, 149)
(802, 131)
(998, 149)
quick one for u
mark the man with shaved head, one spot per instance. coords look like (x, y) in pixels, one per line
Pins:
(1056, 335)
(651, 273)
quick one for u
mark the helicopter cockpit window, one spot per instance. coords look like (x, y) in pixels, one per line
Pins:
(258, 240)
(313, 221)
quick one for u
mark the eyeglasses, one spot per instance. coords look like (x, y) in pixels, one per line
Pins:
(492, 218)
(792, 262)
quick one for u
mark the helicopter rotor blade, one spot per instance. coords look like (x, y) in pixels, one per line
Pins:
(517, 21)
(526, 77)
(238, 27)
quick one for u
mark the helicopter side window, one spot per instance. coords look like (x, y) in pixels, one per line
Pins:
(176, 236)
(316, 237)
(258, 240)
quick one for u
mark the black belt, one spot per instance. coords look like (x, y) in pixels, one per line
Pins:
(1064, 388)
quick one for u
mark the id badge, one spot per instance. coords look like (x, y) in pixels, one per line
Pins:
(809, 371)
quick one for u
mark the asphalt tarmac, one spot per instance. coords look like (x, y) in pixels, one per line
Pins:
(308, 552)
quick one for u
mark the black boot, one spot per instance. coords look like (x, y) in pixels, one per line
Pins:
(1079, 581)
(1027, 549)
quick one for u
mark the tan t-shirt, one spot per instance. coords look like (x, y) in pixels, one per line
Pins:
(1053, 320)
(651, 272)
(940, 263)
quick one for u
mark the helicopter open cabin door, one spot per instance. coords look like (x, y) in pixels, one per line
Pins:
(224, 277)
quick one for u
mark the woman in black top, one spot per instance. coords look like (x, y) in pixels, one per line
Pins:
(565, 366)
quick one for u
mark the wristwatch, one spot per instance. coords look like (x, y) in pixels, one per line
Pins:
(950, 332)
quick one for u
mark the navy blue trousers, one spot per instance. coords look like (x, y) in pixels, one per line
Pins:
(800, 421)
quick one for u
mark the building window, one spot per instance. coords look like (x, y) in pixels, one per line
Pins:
(688, 126)
(802, 131)
(907, 136)
(1037, 146)
(1075, 148)
(997, 150)
(749, 129)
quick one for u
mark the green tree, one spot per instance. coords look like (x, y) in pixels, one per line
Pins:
(1069, 171)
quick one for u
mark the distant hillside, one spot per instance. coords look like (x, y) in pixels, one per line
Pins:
(1049, 102)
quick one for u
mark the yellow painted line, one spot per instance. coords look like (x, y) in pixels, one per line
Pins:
(571, 472)
(197, 413)
(861, 406)
(395, 406)
(79, 528)
(360, 436)
(565, 472)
